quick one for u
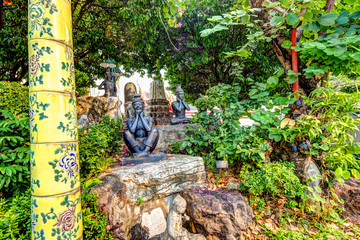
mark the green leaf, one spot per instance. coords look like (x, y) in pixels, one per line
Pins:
(342, 20)
(346, 174)
(173, 9)
(276, 137)
(276, 21)
(339, 172)
(292, 19)
(328, 19)
(318, 189)
(308, 16)
(311, 27)
(355, 15)
(272, 80)
(252, 92)
(291, 79)
(215, 18)
(286, 44)
(355, 173)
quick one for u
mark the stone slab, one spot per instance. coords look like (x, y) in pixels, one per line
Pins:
(153, 183)
(168, 134)
(151, 158)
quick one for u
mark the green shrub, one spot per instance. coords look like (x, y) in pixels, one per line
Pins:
(95, 223)
(15, 219)
(218, 134)
(274, 180)
(14, 97)
(14, 153)
(326, 126)
(96, 142)
(83, 83)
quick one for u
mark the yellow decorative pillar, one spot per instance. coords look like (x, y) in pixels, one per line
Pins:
(55, 179)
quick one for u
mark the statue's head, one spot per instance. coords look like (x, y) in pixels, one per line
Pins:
(179, 92)
(138, 104)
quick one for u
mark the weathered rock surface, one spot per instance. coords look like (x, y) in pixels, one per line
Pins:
(130, 193)
(218, 215)
(313, 171)
(350, 193)
(168, 134)
(95, 108)
(175, 223)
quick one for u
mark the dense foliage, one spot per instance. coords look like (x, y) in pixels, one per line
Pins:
(14, 97)
(328, 42)
(219, 135)
(94, 220)
(15, 220)
(96, 143)
(14, 153)
(284, 183)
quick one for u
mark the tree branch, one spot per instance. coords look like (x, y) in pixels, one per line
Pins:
(83, 9)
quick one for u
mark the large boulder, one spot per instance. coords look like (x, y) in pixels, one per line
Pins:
(349, 192)
(175, 221)
(138, 198)
(95, 108)
(218, 214)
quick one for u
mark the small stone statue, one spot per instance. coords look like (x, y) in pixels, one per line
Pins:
(108, 85)
(142, 137)
(179, 106)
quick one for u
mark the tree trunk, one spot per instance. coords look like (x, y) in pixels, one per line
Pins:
(55, 178)
(1, 14)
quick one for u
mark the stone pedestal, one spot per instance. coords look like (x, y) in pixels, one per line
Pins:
(168, 134)
(160, 111)
(140, 198)
(153, 157)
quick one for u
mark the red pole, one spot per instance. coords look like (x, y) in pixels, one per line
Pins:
(294, 60)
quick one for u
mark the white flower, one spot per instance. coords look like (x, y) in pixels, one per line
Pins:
(36, 13)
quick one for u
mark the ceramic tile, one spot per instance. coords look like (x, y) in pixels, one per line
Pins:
(55, 163)
(51, 66)
(52, 117)
(50, 19)
(57, 217)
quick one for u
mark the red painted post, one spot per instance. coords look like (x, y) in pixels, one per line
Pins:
(294, 60)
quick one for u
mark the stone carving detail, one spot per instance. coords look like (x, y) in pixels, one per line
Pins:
(159, 105)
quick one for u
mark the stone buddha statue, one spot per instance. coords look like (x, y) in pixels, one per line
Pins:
(179, 106)
(142, 137)
(108, 85)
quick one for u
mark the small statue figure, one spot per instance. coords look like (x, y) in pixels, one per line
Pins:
(108, 85)
(179, 106)
(141, 138)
